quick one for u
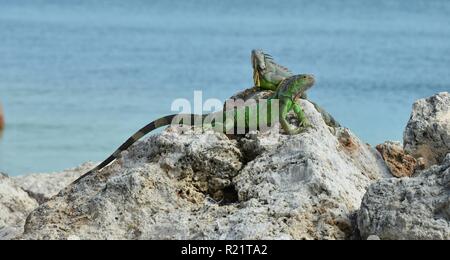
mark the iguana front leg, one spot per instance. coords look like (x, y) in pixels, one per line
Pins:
(288, 91)
(302, 120)
(285, 108)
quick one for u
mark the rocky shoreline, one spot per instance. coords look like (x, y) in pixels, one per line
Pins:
(183, 184)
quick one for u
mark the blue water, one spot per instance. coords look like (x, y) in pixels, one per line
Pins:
(78, 77)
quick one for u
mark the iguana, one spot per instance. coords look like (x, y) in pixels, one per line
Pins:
(287, 93)
(267, 75)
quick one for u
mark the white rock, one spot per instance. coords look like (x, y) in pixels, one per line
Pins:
(15, 205)
(427, 134)
(183, 184)
(373, 238)
(43, 186)
(409, 208)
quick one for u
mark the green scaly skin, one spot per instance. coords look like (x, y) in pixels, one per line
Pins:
(287, 93)
(268, 75)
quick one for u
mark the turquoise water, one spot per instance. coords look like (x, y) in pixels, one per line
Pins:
(77, 78)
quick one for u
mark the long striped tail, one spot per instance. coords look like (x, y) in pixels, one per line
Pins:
(163, 121)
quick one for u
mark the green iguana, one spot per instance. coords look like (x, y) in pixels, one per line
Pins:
(267, 75)
(287, 93)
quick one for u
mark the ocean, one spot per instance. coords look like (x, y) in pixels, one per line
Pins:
(78, 77)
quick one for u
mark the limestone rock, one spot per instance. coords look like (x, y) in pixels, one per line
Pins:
(400, 164)
(252, 93)
(409, 208)
(43, 186)
(427, 134)
(373, 238)
(15, 205)
(185, 184)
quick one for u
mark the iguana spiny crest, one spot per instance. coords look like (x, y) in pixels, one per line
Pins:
(267, 74)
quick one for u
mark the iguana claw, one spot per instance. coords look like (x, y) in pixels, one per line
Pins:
(296, 131)
(305, 123)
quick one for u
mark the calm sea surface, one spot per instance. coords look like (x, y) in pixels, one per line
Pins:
(77, 78)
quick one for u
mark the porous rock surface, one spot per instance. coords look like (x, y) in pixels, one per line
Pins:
(185, 184)
(43, 186)
(409, 208)
(15, 205)
(427, 134)
(398, 161)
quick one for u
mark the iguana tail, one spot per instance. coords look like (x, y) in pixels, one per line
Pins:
(163, 121)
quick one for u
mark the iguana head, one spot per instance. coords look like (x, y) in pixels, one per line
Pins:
(297, 85)
(259, 63)
(259, 59)
(303, 83)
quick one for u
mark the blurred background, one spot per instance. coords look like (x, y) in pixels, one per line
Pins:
(78, 77)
